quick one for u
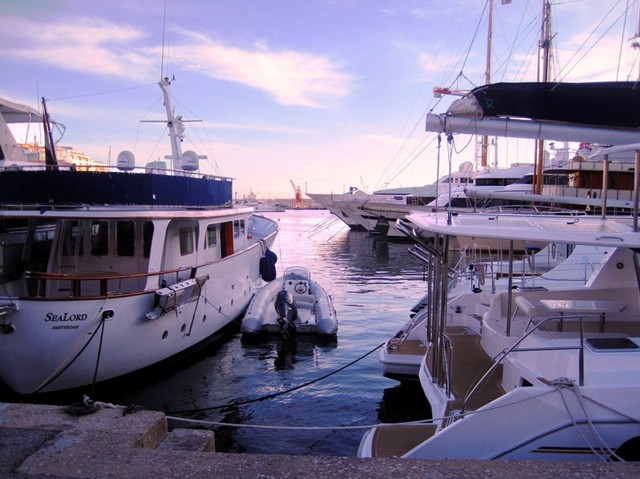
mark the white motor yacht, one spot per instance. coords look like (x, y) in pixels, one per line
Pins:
(108, 271)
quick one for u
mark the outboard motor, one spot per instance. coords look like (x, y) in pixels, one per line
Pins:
(287, 312)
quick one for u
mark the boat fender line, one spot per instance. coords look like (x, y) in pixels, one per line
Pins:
(268, 265)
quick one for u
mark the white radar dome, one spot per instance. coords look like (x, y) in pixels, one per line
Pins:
(189, 161)
(157, 165)
(126, 161)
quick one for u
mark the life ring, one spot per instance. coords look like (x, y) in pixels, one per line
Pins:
(300, 287)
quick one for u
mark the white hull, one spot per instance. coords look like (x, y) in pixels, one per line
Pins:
(334, 204)
(113, 336)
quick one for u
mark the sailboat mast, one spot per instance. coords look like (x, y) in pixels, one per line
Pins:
(485, 140)
(543, 75)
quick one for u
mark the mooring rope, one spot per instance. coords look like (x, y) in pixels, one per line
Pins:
(280, 393)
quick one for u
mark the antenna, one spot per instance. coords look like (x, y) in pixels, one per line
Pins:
(164, 28)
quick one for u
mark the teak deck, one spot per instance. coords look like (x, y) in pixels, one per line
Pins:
(469, 363)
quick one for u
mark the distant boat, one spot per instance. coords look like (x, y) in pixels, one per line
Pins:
(333, 202)
(375, 212)
(261, 207)
(108, 272)
(295, 302)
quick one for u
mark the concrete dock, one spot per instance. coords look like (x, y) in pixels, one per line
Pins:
(39, 441)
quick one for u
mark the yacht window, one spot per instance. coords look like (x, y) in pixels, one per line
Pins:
(99, 238)
(125, 238)
(147, 235)
(238, 228)
(211, 239)
(186, 241)
(71, 238)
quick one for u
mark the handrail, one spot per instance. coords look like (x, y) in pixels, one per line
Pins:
(513, 347)
(77, 279)
(98, 276)
(448, 358)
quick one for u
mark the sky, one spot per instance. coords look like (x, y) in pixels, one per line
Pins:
(326, 94)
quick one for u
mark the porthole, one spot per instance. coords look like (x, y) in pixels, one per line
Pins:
(204, 318)
(164, 335)
(184, 326)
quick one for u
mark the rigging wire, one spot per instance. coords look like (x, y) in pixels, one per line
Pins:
(562, 74)
(105, 92)
(401, 148)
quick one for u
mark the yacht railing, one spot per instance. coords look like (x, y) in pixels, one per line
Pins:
(514, 348)
(447, 351)
(100, 168)
(37, 282)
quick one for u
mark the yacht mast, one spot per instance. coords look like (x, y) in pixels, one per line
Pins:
(174, 124)
(485, 139)
(545, 47)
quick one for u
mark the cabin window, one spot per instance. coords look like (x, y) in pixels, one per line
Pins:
(211, 239)
(238, 228)
(147, 235)
(71, 238)
(125, 238)
(186, 241)
(99, 238)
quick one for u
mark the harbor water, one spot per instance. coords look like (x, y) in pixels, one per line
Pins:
(310, 401)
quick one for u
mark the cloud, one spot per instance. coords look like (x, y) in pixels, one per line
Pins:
(292, 78)
(86, 45)
(95, 46)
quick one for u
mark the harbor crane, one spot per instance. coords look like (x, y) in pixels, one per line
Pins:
(297, 202)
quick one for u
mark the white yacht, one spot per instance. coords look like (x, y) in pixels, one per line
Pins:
(473, 283)
(333, 202)
(108, 272)
(552, 373)
(377, 213)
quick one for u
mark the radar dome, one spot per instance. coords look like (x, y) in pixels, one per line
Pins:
(126, 161)
(157, 165)
(189, 161)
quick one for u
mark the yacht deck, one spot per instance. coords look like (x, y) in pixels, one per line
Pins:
(469, 363)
